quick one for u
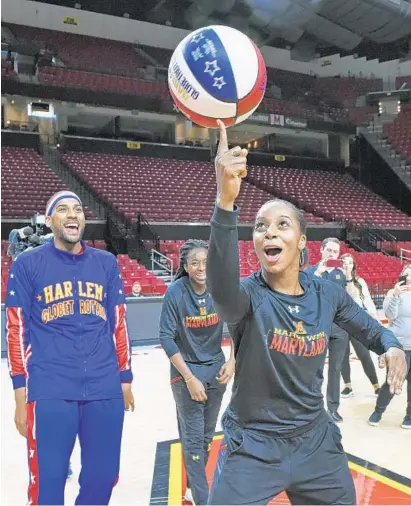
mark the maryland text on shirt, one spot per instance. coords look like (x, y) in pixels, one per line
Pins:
(66, 325)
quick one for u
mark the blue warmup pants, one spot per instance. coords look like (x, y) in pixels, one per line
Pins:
(254, 467)
(52, 428)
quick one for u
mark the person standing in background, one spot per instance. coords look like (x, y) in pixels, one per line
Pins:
(397, 308)
(357, 288)
(330, 251)
(191, 335)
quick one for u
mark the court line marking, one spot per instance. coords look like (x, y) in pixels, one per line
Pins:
(175, 477)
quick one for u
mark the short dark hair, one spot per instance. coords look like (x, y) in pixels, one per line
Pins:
(330, 239)
(185, 250)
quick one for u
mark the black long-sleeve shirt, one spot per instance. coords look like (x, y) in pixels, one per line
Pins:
(280, 340)
(190, 325)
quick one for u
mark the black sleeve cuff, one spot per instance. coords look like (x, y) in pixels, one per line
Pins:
(225, 218)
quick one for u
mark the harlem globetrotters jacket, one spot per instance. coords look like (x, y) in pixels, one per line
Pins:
(66, 325)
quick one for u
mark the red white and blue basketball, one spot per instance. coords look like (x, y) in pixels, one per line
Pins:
(217, 72)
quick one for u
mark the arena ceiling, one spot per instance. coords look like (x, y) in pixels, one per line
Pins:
(309, 28)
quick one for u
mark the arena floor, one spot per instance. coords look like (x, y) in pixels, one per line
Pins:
(151, 469)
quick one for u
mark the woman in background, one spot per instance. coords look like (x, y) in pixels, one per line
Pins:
(357, 288)
(397, 308)
(191, 335)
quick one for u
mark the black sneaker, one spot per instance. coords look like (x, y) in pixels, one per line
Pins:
(335, 416)
(406, 423)
(347, 392)
(375, 419)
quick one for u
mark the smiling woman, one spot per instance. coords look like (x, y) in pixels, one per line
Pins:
(280, 320)
(191, 335)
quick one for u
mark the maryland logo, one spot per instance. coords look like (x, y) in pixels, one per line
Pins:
(299, 328)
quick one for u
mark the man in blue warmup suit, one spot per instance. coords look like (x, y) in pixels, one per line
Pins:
(65, 306)
(330, 250)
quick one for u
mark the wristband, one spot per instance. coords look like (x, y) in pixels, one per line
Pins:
(190, 378)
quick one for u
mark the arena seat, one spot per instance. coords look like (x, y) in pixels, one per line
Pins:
(27, 183)
(58, 76)
(130, 269)
(375, 268)
(335, 197)
(346, 90)
(398, 132)
(83, 52)
(164, 190)
(400, 80)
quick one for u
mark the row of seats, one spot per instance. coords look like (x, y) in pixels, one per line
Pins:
(375, 268)
(398, 132)
(27, 183)
(83, 52)
(131, 272)
(400, 80)
(304, 96)
(333, 196)
(164, 190)
(58, 76)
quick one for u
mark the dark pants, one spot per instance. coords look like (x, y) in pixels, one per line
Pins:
(52, 427)
(312, 468)
(196, 426)
(336, 350)
(364, 356)
(384, 397)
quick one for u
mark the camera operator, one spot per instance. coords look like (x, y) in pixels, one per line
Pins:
(24, 239)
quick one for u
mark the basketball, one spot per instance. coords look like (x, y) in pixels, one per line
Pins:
(217, 72)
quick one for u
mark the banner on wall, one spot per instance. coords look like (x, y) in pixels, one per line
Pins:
(69, 20)
(268, 119)
(296, 123)
(133, 145)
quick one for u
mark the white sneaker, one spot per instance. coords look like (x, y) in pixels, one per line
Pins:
(189, 496)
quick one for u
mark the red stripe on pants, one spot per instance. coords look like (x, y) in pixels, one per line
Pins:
(33, 491)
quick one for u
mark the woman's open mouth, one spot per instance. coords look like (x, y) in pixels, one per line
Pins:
(272, 254)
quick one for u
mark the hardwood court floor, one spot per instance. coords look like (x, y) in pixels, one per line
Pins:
(380, 457)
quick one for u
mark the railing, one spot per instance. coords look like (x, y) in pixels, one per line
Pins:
(145, 232)
(380, 238)
(405, 255)
(163, 265)
(378, 293)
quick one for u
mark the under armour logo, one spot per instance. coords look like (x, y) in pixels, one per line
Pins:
(196, 458)
(293, 309)
(202, 301)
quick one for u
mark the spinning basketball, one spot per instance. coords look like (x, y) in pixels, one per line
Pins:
(215, 73)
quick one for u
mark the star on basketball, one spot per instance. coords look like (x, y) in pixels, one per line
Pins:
(219, 82)
(197, 38)
(211, 67)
